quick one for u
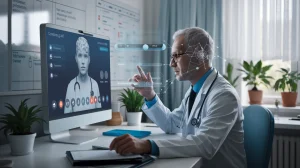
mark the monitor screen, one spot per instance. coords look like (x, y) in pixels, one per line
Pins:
(78, 74)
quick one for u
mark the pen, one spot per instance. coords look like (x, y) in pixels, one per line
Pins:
(151, 126)
(96, 147)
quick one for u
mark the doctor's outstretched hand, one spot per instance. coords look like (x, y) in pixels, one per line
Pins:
(127, 144)
(146, 80)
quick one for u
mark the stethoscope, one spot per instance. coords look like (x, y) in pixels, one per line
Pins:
(77, 83)
(196, 121)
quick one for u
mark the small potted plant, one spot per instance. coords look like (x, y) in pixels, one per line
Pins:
(256, 75)
(288, 85)
(229, 76)
(17, 127)
(133, 102)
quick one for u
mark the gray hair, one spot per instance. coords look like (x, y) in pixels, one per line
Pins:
(197, 39)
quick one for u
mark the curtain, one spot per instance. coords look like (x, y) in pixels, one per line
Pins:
(180, 14)
(261, 29)
(265, 30)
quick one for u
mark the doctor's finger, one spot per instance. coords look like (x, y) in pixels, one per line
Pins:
(142, 73)
(113, 143)
(125, 146)
(137, 78)
(121, 142)
(149, 77)
(127, 150)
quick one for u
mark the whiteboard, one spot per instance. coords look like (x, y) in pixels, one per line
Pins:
(116, 19)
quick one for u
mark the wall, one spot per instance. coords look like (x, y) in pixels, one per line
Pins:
(3, 43)
(36, 99)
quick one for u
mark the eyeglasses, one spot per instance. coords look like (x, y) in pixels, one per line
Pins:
(174, 57)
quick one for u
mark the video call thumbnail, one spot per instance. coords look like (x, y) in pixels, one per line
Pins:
(76, 84)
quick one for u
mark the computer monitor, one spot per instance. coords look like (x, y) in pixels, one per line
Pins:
(75, 81)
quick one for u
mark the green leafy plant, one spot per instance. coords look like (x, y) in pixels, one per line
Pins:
(21, 120)
(256, 74)
(132, 100)
(289, 80)
(229, 77)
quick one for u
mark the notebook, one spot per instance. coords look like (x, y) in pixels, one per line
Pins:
(135, 133)
(105, 157)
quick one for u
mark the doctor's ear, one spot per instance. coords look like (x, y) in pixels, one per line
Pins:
(76, 58)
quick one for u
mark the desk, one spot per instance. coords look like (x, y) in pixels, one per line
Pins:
(52, 155)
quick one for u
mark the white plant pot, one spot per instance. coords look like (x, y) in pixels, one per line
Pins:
(21, 144)
(134, 118)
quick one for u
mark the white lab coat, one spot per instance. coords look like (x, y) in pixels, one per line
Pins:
(219, 140)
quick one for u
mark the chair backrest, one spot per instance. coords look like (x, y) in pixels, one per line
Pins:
(258, 135)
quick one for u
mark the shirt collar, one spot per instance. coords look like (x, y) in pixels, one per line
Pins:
(196, 88)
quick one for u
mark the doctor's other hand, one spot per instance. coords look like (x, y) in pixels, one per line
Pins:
(146, 92)
(127, 144)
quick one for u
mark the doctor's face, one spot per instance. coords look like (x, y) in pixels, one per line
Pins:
(180, 60)
(83, 61)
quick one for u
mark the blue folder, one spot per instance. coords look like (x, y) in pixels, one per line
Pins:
(135, 133)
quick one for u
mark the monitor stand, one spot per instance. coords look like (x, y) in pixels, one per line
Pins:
(66, 137)
(88, 128)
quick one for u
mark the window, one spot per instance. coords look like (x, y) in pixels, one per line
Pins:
(269, 94)
(266, 30)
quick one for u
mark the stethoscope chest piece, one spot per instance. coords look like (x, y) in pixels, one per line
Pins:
(194, 121)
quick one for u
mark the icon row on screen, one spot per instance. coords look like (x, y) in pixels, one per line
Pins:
(84, 101)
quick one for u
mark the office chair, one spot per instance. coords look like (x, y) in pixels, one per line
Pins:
(258, 135)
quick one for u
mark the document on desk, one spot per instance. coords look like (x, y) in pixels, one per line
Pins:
(101, 155)
(106, 157)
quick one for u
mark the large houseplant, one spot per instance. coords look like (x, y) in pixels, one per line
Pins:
(255, 76)
(133, 102)
(229, 77)
(17, 127)
(288, 85)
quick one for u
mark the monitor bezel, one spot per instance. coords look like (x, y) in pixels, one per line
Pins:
(63, 124)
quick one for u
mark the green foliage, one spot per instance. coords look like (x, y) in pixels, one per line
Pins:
(289, 80)
(132, 100)
(21, 120)
(256, 74)
(229, 77)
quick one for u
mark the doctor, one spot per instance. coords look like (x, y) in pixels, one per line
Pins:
(209, 117)
(83, 90)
